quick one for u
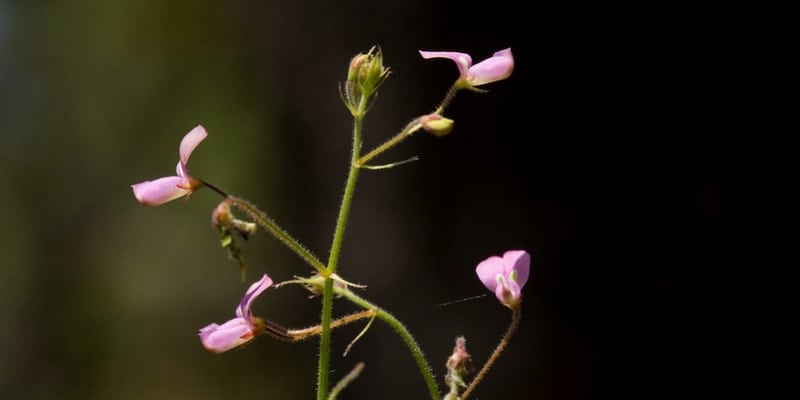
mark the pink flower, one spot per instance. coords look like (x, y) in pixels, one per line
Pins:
(240, 330)
(495, 68)
(505, 276)
(162, 190)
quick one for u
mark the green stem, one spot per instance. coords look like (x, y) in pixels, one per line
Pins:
(410, 128)
(404, 334)
(325, 340)
(270, 226)
(336, 246)
(350, 377)
(447, 99)
(515, 317)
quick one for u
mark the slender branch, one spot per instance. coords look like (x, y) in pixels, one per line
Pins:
(410, 128)
(270, 226)
(403, 332)
(305, 333)
(350, 377)
(515, 317)
(447, 99)
(214, 188)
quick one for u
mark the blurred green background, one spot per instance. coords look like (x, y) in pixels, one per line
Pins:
(581, 157)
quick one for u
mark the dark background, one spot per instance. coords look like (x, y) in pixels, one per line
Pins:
(599, 156)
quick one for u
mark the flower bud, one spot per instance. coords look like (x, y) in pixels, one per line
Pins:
(364, 75)
(437, 125)
(221, 215)
(354, 73)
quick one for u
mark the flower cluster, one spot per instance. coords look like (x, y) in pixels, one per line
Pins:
(505, 275)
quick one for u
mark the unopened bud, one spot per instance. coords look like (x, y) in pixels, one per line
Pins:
(355, 70)
(221, 215)
(437, 125)
(223, 218)
(366, 72)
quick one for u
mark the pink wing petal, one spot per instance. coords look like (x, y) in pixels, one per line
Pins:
(519, 260)
(462, 60)
(254, 291)
(488, 270)
(496, 68)
(159, 191)
(190, 141)
(221, 338)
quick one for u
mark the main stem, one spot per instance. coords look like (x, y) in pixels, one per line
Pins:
(333, 260)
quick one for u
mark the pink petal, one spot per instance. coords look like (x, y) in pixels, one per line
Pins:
(159, 191)
(520, 261)
(462, 60)
(488, 270)
(189, 142)
(495, 68)
(221, 338)
(243, 310)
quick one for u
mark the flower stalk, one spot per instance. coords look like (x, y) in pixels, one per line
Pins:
(515, 317)
(273, 228)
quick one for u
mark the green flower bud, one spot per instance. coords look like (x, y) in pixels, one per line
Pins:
(437, 125)
(364, 75)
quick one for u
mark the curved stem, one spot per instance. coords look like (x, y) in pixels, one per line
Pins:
(515, 317)
(403, 332)
(270, 226)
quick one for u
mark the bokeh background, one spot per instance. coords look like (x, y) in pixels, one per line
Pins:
(585, 157)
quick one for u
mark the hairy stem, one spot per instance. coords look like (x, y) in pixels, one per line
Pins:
(403, 332)
(515, 317)
(270, 226)
(336, 247)
(412, 127)
(409, 129)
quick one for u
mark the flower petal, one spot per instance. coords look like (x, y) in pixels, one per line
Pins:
(520, 261)
(488, 270)
(243, 310)
(221, 338)
(495, 68)
(159, 191)
(190, 141)
(462, 60)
